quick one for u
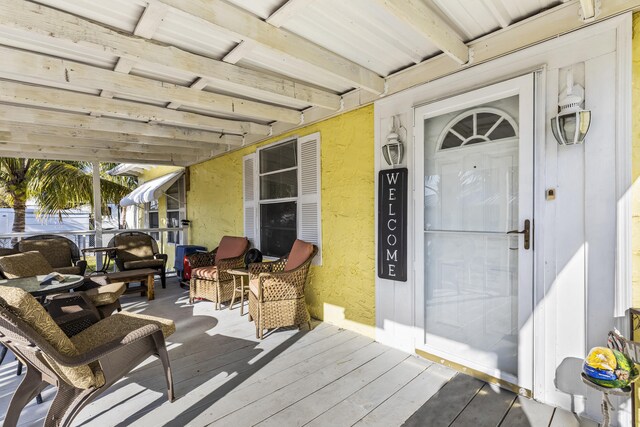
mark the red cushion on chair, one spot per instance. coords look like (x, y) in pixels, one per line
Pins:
(300, 252)
(231, 247)
(209, 273)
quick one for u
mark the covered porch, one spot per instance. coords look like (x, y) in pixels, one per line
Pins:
(325, 376)
(464, 172)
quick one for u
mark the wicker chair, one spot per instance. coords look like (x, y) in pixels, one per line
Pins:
(276, 289)
(105, 298)
(61, 253)
(209, 277)
(134, 250)
(81, 367)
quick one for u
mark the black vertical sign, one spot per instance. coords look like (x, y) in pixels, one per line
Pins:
(392, 224)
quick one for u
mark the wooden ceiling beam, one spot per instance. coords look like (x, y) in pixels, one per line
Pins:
(245, 26)
(42, 24)
(150, 20)
(287, 11)
(37, 136)
(546, 26)
(72, 152)
(135, 131)
(589, 10)
(278, 18)
(16, 93)
(18, 64)
(115, 137)
(424, 20)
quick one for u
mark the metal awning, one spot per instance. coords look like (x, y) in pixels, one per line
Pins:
(151, 190)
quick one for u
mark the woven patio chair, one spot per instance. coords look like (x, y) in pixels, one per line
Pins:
(106, 298)
(133, 250)
(276, 289)
(209, 277)
(61, 253)
(81, 367)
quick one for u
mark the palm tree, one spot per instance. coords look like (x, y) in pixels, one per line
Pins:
(56, 186)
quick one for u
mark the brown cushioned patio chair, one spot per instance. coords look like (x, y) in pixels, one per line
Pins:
(134, 250)
(209, 277)
(276, 289)
(106, 298)
(61, 253)
(81, 367)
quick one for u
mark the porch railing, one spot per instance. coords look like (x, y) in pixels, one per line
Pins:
(87, 238)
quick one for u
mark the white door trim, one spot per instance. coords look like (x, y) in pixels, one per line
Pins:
(523, 87)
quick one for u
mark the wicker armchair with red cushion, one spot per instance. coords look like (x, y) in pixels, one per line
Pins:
(276, 289)
(209, 277)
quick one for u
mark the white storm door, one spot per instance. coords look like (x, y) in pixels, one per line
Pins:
(474, 199)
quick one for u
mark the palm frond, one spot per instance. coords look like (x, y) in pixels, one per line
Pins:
(58, 186)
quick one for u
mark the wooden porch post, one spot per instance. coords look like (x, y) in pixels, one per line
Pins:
(97, 212)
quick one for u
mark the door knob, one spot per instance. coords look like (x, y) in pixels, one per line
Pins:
(527, 233)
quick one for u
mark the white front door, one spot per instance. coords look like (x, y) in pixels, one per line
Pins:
(474, 198)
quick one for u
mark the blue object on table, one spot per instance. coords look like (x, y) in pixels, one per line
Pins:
(181, 252)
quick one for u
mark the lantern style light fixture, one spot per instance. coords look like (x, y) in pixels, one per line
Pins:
(572, 123)
(393, 150)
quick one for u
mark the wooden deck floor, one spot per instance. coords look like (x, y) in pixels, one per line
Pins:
(323, 377)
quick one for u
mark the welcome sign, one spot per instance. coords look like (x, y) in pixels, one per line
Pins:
(392, 224)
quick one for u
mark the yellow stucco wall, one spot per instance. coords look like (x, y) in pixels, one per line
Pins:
(148, 175)
(342, 290)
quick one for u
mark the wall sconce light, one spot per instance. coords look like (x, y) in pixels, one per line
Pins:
(572, 123)
(393, 150)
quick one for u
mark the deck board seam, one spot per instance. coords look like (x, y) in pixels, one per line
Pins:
(332, 382)
(398, 391)
(298, 380)
(197, 407)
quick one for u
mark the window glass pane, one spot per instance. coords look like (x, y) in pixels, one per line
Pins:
(282, 156)
(153, 205)
(451, 141)
(173, 220)
(464, 127)
(277, 228)
(173, 195)
(504, 130)
(279, 185)
(486, 122)
(153, 220)
(154, 223)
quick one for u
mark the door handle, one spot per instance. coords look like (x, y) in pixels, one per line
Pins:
(527, 233)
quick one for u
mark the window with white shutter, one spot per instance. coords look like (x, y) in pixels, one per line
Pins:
(282, 195)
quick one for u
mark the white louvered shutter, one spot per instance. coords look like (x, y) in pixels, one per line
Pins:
(309, 220)
(249, 198)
